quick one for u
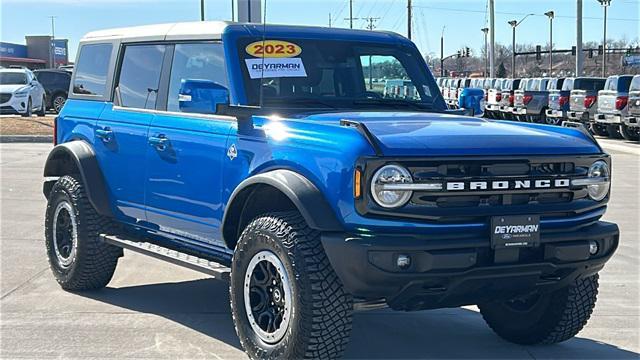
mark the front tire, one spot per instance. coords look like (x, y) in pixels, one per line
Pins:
(77, 257)
(43, 108)
(28, 111)
(58, 102)
(544, 318)
(286, 300)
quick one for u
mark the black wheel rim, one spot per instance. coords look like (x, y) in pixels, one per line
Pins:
(65, 234)
(267, 295)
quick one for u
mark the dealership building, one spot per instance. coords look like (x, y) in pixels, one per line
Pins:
(38, 53)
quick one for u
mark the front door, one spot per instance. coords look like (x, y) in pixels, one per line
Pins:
(122, 130)
(187, 152)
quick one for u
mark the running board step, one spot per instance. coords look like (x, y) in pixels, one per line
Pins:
(214, 269)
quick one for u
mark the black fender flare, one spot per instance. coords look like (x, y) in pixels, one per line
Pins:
(83, 158)
(304, 195)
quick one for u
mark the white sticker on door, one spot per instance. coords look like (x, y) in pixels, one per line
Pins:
(275, 68)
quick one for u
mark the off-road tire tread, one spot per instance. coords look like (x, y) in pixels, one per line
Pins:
(95, 268)
(327, 320)
(573, 307)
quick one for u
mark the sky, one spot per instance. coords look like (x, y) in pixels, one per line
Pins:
(461, 19)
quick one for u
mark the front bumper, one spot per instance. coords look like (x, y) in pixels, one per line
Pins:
(15, 105)
(463, 271)
(614, 119)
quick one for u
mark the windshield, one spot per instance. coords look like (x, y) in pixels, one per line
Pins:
(13, 78)
(334, 74)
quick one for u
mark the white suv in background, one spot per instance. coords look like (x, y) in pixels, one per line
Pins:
(21, 93)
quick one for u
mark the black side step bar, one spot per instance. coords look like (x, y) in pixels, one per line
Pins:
(205, 266)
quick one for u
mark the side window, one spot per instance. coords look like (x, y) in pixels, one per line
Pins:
(200, 61)
(44, 78)
(140, 75)
(91, 70)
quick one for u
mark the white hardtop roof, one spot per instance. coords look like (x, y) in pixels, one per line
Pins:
(196, 30)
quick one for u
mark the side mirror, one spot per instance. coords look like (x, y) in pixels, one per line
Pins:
(201, 96)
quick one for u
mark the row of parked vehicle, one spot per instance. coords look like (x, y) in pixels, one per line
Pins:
(25, 92)
(607, 106)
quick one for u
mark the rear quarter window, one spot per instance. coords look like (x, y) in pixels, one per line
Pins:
(567, 85)
(623, 83)
(91, 70)
(635, 84)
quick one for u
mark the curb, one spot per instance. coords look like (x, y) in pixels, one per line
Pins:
(26, 139)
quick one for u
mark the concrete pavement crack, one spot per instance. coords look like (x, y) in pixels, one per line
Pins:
(24, 283)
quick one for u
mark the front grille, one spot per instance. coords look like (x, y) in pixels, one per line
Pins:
(475, 205)
(4, 98)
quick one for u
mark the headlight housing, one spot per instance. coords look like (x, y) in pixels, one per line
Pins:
(599, 170)
(21, 92)
(383, 183)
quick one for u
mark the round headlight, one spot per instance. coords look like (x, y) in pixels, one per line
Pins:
(382, 186)
(599, 169)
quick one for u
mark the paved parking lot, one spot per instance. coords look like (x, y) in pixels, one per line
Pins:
(156, 310)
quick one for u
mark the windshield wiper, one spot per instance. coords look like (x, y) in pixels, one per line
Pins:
(393, 102)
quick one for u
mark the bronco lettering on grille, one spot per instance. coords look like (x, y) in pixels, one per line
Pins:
(507, 185)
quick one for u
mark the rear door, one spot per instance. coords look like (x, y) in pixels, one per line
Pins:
(121, 133)
(187, 150)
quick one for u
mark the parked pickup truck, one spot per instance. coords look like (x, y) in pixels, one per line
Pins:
(559, 102)
(507, 108)
(506, 98)
(494, 95)
(631, 123)
(612, 105)
(531, 103)
(583, 103)
(259, 154)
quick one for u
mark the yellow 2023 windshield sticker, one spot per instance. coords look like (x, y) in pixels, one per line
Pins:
(273, 49)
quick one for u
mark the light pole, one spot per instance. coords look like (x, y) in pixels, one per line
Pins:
(52, 48)
(201, 10)
(550, 15)
(514, 24)
(486, 52)
(605, 4)
(442, 52)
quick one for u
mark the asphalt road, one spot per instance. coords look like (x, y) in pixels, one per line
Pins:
(156, 310)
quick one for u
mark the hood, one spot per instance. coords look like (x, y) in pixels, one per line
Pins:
(428, 134)
(10, 89)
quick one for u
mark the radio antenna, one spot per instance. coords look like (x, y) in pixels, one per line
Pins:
(264, 34)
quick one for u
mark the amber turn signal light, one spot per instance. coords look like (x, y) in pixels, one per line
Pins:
(357, 183)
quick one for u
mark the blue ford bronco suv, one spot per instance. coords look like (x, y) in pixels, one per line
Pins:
(271, 158)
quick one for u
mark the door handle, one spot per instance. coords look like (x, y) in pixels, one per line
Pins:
(159, 142)
(105, 134)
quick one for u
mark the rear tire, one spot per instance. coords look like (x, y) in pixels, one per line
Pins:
(629, 133)
(78, 259)
(320, 309)
(544, 318)
(599, 130)
(614, 131)
(43, 108)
